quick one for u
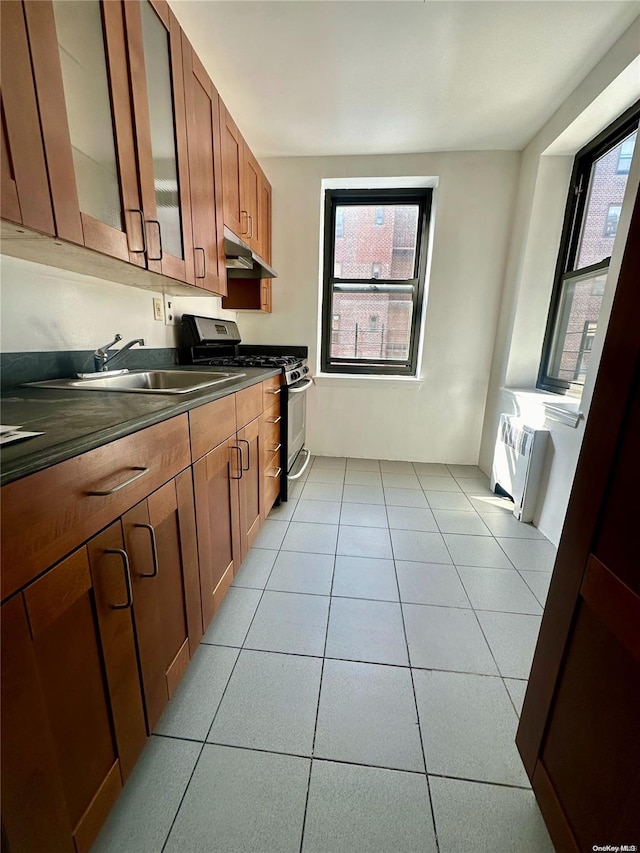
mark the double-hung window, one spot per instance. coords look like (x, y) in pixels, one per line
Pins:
(374, 268)
(598, 183)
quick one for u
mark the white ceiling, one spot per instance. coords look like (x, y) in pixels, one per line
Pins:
(309, 77)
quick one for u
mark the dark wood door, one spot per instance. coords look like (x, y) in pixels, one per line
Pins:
(216, 477)
(68, 740)
(162, 580)
(250, 487)
(25, 194)
(252, 182)
(235, 214)
(205, 173)
(157, 84)
(82, 82)
(263, 247)
(579, 735)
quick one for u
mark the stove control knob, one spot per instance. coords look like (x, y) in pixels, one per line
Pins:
(295, 375)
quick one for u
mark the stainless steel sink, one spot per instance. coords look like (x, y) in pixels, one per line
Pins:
(145, 381)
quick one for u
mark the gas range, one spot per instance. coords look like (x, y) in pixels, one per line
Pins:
(207, 341)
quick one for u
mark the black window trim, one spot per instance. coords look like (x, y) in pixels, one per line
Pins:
(611, 136)
(373, 367)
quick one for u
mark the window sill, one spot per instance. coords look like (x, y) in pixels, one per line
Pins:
(328, 378)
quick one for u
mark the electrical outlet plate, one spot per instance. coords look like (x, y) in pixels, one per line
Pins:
(158, 308)
(170, 318)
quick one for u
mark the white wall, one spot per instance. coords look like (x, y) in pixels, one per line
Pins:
(47, 309)
(612, 86)
(439, 417)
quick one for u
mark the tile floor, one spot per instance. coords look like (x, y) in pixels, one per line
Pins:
(359, 688)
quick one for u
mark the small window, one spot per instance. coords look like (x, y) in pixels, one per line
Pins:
(591, 221)
(374, 279)
(625, 155)
(611, 222)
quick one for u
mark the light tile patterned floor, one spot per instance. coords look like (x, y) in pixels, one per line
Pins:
(359, 689)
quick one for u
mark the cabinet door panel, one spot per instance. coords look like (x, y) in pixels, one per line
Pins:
(216, 478)
(250, 490)
(203, 133)
(80, 68)
(155, 56)
(263, 247)
(25, 184)
(251, 198)
(235, 216)
(27, 743)
(189, 549)
(118, 645)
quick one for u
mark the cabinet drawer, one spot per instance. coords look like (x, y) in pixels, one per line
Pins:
(270, 437)
(212, 424)
(271, 391)
(271, 416)
(47, 514)
(271, 479)
(248, 404)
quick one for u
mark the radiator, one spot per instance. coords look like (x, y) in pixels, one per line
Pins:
(517, 463)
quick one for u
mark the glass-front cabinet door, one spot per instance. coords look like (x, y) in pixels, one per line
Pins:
(80, 68)
(155, 56)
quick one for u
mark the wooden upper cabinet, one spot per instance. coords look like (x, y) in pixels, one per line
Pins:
(233, 179)
(25, 186)
(80, 67)
(205, 173)
(246, 191)
(154, 42)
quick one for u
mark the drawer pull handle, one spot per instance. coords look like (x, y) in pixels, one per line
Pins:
(127, 575)
(154, 550)
(141, 472)
(241, 463)
(161, 255)
(276, 474)
(244, 441)
(274, 420)
(274, 449)
(274, 391)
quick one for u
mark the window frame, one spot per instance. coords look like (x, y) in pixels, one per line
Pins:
(422, 196)
(573, 222)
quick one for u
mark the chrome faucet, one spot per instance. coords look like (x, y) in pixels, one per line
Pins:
(100, 357)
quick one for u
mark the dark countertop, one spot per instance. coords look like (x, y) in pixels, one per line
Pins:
(74, 422)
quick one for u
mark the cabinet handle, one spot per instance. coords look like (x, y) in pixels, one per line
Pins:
(204, 261)
(240, 466)
(244, 230)
(154, 550)
(274, 449)
(250, 218)
(244, 441)
(143, 250)
(127, 575)
(141, 472)
(277, 473)
(273, 420)
(155, 222)
(274, 391)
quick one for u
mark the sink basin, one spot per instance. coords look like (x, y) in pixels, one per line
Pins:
(145, 381)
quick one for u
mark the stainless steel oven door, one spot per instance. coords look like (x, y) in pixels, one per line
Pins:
(296, 418)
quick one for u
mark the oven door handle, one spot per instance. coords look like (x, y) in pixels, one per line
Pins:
(307, 384)
(304, 467)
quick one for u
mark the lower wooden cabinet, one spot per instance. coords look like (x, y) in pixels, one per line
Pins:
(72, 715)
(249, 485)
(160, 544)
(216, 476)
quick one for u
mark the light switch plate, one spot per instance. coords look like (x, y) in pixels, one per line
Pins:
(158, 308)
